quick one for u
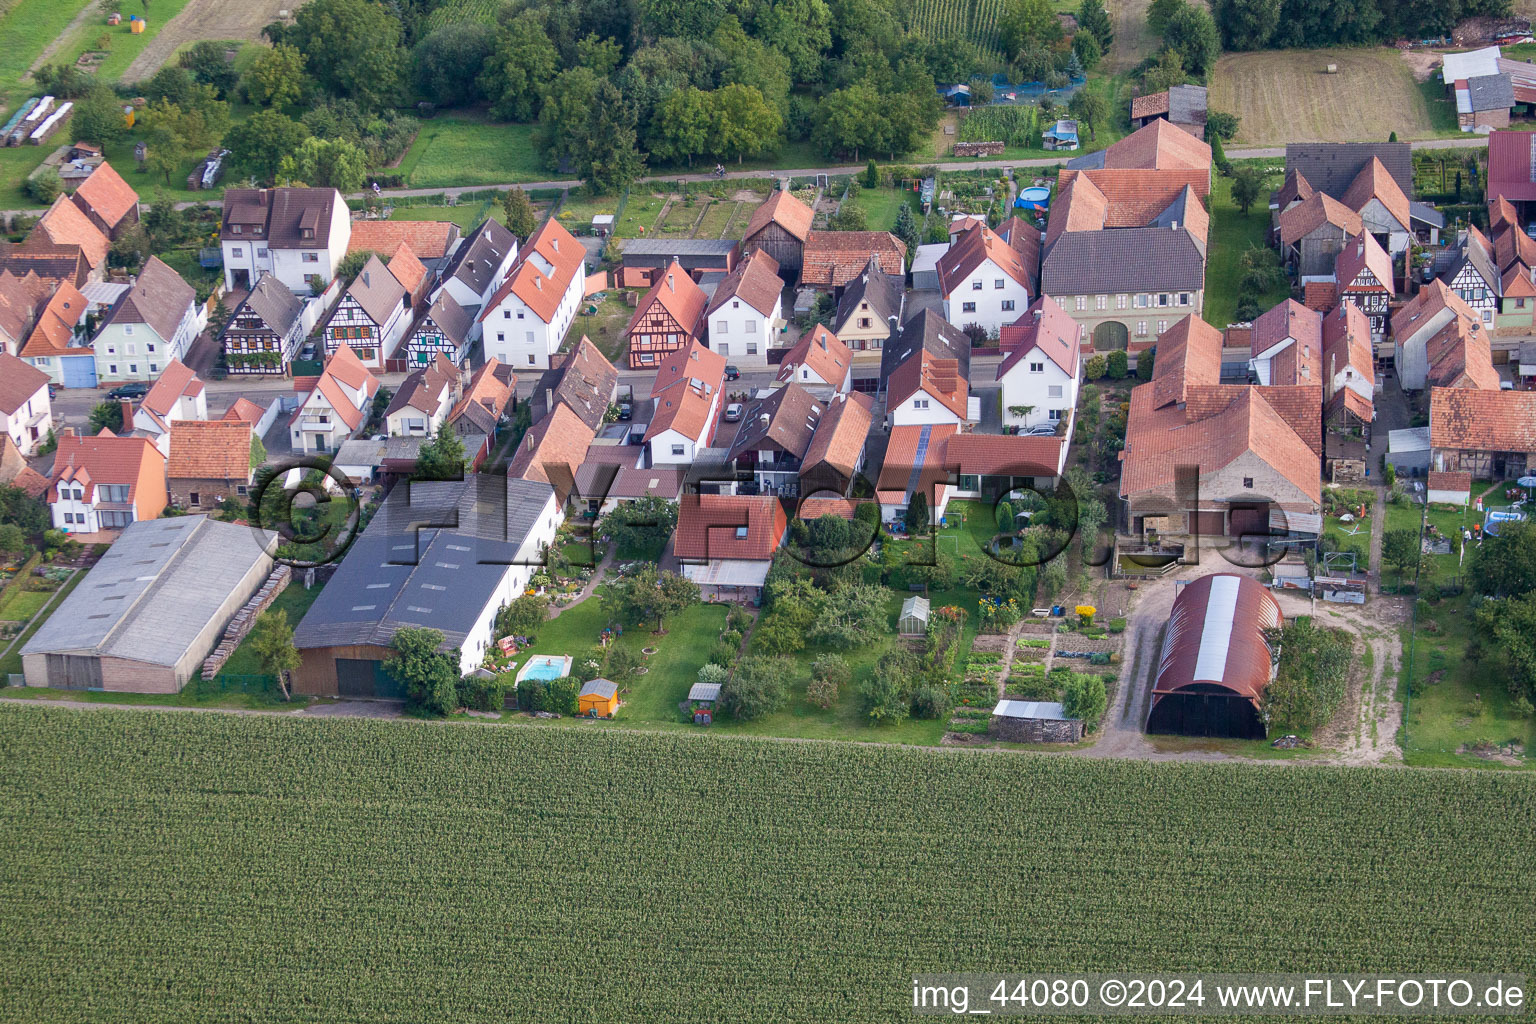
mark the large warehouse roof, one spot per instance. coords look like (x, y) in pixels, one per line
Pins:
(154, 590)
(1216, 635)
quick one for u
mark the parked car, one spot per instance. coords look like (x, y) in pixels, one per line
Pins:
(626, 411)
(133, 389)
(733, 412)
(1042, 430)
(731, 373)
(53, 391)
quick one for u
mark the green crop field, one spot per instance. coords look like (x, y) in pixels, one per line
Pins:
(455, 11)
(157, 866)
(974, 20)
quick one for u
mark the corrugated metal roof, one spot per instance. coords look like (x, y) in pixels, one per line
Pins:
(1216, 636)
(1050, 711)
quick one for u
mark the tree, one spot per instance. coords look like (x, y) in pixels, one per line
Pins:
(1506, 567)
(522, 65)
(558, 134)
(1246, 24)
(521, 220)
(883, 696)
(276, 78)
(1083, 697)
(682, 127)
(1400, 548)
(429, 677)
(352, 47)
(442, 457)
(99, 118)
(1034, 63)
(850, 215)
(1090, 108)
(44, 187)
(799, 29)
(602, 55)
(690, 19)
(1221, 125)
(906, 226)
(1085, 46)
(641, 526)
(1117, 364)
(743, 122)
(107, 416)
(1507, 631)
(259, 144)
(649, 594)
(258, 452)
(329, 163)
(13, 539)
(1028, 23)
(1192, 34)
(208, 65)
(1247, 185)
(1093, 17)
(851, 120)
(1166, 73)
(853, 616)
(272, 642)
(1004, 517)
(917, 514)
(1159, 12)
(22, 509)
(757, 687)
(524, 616)
(829, 674)
(871, 174)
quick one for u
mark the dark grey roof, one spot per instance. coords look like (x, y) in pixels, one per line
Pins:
(599, 687)
(434, 555)
(1464, 253)
(679, 246)
(1331, 166)
(1425, 214)
(1087, 162)
(1123, 260)
(1491, 92)
(451, 318)
(478, 256)
(159, 298)
(1187, 104)
(928, 330)
(286, 218)
(376, 290)
(1176, 214)
(884, 293)
(275, 304)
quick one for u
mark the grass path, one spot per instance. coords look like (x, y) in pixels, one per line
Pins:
(65, 35)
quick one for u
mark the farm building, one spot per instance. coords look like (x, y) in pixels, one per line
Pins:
(780, 227)
(1034, 721)
(1183, 105)
(645, 258)
(598, 698)
(914, 616)
(1216, 661)
(152, 609)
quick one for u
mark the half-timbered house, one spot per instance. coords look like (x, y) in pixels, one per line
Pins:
(443, 329)
(265, 330)
(668, 318)
(1363, 273)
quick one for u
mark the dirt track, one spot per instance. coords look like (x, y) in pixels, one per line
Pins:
(206, 19)
(1133, 40)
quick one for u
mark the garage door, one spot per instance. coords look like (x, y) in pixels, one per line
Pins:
(1250, 521)
(74, 671)
(358, 677)
(1211, 524)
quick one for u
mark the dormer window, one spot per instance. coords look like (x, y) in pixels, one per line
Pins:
(234, 229)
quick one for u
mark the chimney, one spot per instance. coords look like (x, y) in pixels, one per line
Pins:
(670, 287)
(365, 280)
(764, 420)
(555, 243)
(538, 282)
(127, 414)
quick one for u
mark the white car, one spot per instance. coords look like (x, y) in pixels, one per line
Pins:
(733, 412)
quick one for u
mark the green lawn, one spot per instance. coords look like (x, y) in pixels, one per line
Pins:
(461, 150)
(1442, 109)
(467, 216)
(605, 327)
(1232, 232)
(29, 26)
(639, 217)
(295, 601)
(20, 605)
(578, 210)
(126, 46)
(881, 206)
(723, 213)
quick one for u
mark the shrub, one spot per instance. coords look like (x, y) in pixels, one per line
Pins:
(732, 637)
(1096, 367)
(723, 654)
(1084, 697)
(1117, 364)
(622, 662)
(712, 673)
(480, 694)
(829, 674)
(562, 695)
(756, 688)
(1116, 625)
(1031, 688)
(930, 702)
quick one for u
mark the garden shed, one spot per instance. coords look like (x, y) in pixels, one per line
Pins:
(599, 698)
(1034, 721)
(914, 616)
(704, 693)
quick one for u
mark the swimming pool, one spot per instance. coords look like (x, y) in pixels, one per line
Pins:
(546, 667)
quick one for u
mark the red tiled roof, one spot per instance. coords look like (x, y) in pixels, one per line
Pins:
(1136, 198)
(1297, 405)
(1188, 354)
(1004, 454)
(426, 239)
(811, 509)
(21, 296)
(19, 381)
(14, 471)
(210, 450)
(1044, 327)
(344, 366)
(245, 410)
(707, 527)
(1430, 300)
(487, 392)
(1509, 166)
(1150, 105)
(64, 224)
(1347, 342)
(833, 258)
(897, 473)
(1301, 361)
(692, 362)
(783, 209)
(1159, 146)
(1459, 357)
(176, 380)
(406, 268)
(1314, 212)
(56, 324)
(1501, 214)
(972, 249)
(107, 459)
(1320, 295)
(755, 281)
(685, 409)
(841, 434)
(1445, 480)
(107, 195)
(539, 291)
(822, 353)
(1477, 420)
(939, 378)
(1374, 182)
(675, 292)
(1350, 401)
(1363, 252)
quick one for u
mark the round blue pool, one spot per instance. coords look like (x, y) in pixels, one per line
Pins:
(1037, 195)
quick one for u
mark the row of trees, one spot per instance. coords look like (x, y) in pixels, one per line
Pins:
(1278, 24)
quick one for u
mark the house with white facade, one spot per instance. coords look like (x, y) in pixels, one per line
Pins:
(746, 311)
(1040, 375)
(1436, 312)
(524, 322)
(152, 323)
(985, 280)
(1287, 346)
(298, 235)
(105, 482)
(687, 405)
(25, 412)
(337, 407)
(478, 266)
(177, 395)
(927, 373)
(820, 363)
(422, 403)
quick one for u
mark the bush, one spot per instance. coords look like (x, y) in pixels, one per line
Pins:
(622, 662)
(712, 673)
(829, 674)
(562, 695)
(756, 689)
(1096, 367)
(1116, 625)
(1084, 697)
(480, 694)
(930, 702)
(723, 654)
(1031, 688)
(1118, 364)
(44, 187)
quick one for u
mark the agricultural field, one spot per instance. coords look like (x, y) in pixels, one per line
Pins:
(452, 12)
(973, 20)
(206, 19)
(1286, 96)
(708, 876)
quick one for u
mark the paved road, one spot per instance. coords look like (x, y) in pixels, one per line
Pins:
(803, 172)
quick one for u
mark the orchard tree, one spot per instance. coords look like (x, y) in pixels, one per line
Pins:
(259, 144)
(1247, 186)
(1400, 548)
(642, 524)
(1028, 23)
(276, 78)
(1090, 108)
(99, 118)
(757, 688)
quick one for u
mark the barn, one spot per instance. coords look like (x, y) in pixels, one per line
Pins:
(1216, 661)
